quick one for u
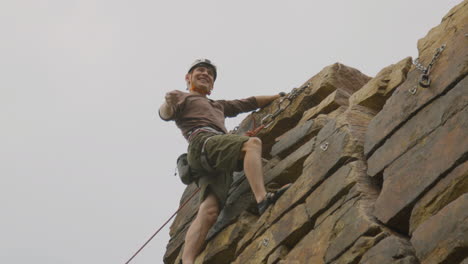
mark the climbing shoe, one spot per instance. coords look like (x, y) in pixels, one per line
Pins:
(271, 198)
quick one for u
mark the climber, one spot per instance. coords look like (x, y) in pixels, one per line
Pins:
(213, 154)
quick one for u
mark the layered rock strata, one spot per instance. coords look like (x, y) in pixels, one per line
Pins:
(378, 168)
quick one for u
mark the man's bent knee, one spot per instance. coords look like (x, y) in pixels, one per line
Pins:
(254, 143)
(211, 215)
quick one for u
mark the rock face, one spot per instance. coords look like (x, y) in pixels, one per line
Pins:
(378, 167)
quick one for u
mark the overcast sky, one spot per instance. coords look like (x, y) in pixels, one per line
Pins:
(86, 165)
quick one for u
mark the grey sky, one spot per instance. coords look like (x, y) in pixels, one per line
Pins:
(86, 164)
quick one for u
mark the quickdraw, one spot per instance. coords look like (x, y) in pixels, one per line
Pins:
(289, 98)
(268, 119)
(424, 79)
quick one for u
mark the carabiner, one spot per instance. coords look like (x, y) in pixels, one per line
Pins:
(262, 122)
(424, 80)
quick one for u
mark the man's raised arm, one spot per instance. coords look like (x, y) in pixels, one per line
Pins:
(166, 111)
(264, 100)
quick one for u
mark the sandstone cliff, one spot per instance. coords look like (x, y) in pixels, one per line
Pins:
(378, 165)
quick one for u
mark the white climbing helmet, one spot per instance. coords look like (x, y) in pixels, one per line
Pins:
(203, 62)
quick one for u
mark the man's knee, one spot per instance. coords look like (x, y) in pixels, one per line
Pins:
(254, 143)
(211, 215)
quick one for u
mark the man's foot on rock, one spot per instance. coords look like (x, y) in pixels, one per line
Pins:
(271, 198)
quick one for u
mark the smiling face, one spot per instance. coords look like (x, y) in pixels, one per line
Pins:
(200, 79)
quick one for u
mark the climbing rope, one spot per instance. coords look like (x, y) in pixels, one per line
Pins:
(254, 131)
(146, 243)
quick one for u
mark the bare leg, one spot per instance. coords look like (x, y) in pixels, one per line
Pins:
(196, 234)
(253, 167)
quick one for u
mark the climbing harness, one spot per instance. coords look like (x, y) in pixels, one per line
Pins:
(204, 158)
(186, 175)
(424, 79)
(194, 132)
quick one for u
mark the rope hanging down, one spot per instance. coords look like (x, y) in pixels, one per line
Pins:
(146, 243)
(294, 93)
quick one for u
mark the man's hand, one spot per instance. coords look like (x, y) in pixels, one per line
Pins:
(171, 98)
(166, 111)
(265, 100)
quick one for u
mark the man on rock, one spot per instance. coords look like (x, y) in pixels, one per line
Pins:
(212, 153)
